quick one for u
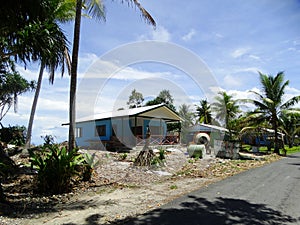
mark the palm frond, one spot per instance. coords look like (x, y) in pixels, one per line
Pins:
(145, 14)
(95, 9)
(291, 102)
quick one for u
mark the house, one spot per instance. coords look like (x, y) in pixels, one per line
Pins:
(125, 129)
(219, 145)
(215, 132)
(260, 137)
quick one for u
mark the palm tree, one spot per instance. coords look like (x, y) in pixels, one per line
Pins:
(226, 109)
(269, 103)
(204, 112)
(95, 9)
(54, 54)
(289, 124)
(185, 113)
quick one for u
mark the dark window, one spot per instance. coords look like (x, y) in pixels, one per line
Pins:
(137, 130)
(100, 130)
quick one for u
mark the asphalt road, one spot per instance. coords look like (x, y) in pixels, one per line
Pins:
(266, 195)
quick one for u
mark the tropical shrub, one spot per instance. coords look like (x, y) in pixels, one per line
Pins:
(13, 135)
(7, 169)
(160, 159)
(89, 164)
(56, 167)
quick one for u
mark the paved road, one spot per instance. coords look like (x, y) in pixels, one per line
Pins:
(267, 195)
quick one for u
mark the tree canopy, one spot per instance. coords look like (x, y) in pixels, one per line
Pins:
(270, 102)
(12, 84)
(135, 99)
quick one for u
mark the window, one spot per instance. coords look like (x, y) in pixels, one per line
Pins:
(78, 132)
(100, 130)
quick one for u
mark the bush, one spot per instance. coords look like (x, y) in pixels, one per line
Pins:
(13, 135)
(55, 167)
(89, 164)
(160, 159)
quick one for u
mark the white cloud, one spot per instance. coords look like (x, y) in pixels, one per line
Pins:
(249, 69)
(255, 57)
(232, 81)
(189, 35)
(29, 74)
(159, 34)
(237, 53)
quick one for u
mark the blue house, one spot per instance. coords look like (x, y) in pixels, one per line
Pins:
(260, 137)
(125, 129)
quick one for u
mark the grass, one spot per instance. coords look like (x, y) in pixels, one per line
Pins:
(264, 149)
(292, 150)
(173, 187)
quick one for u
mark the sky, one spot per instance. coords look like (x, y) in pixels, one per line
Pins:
(198, 48)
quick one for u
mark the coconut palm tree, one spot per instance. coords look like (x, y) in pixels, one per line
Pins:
(204, 112)
(269, 103)
(289, 124)
(226, 109)
(95, 9)
(55, 54)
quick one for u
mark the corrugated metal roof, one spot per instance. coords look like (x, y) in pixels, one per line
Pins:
(148, 111)
(200, 127)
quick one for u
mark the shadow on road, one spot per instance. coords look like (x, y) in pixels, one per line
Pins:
(221, 211)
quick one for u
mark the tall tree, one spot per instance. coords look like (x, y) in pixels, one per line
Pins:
(165, 97)
(95, 9)
(187, 115)
(204, 112)
(289, 124)
(12, 84)
(269, 103)
(226, 109)
(135, 99)
(55, 54)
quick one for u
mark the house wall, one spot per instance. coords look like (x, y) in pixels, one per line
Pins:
(88, 132)
(122, 130)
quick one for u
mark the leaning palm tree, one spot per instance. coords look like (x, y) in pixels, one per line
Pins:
(95, 9)
(269, 103)
(55, 56)
(226, 109)
(54, 52)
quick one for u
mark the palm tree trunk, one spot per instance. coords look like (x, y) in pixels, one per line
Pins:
(34, 104)
(73, 81)
(276, 146)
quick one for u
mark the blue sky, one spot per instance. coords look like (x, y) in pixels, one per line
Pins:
(233, 38)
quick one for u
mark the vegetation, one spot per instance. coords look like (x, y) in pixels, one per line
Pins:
(188, 117)
(160, 159)
(13, 135)
(165, 97)
(135, 99)
(226, 109)
(204, 112)
(269, 104)
(12, 84)
(55, 54)
(95, 9)
(55, 167)
(289, 125)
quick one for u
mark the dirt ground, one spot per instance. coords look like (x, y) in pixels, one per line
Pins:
(120, 190)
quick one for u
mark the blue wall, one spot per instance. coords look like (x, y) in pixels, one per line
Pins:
(88, 131)
(123, 127)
